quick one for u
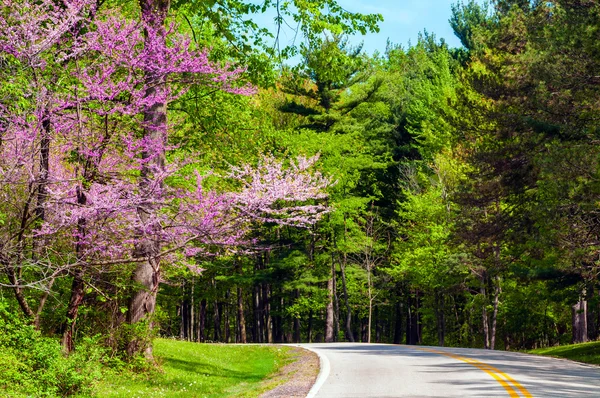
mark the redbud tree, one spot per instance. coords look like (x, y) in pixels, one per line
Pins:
(84, 139)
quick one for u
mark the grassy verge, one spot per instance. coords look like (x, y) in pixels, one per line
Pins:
(201, 370)
(586, 352)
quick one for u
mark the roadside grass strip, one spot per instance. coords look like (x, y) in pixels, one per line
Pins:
(510, 385)
(583, 352)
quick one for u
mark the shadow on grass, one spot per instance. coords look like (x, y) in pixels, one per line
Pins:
(204, 369)
(587, 352)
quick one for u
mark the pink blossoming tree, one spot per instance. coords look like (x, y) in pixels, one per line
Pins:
(83, 144)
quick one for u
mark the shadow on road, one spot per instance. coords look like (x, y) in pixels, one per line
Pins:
(542, 376)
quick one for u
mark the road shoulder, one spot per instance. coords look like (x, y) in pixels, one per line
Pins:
(297, 377)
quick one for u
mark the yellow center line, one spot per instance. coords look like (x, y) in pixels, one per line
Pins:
(496, 373)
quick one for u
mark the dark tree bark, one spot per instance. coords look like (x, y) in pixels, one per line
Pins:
(297, 323)
(226, 316)
(439, 315)
(398, 323)
(217, 321)
(77, 287)
(268, 322)
(278, 321)
(202, 322)
(377, 326)
(412, 320)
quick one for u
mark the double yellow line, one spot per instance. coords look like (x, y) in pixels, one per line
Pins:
(510, 385)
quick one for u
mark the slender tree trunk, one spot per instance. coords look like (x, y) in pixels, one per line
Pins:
(336, 304)
(297, 334)
(240, 318)
(412, 323)
(370, 295)
(580, 327)
(42, 303)
(279, 334)
(19, 295)
(191, 323)
(14, 273)
(497, 291)
(439, 315)
(310, 326)
(182, 314)
(202, 326)
(377, 326)
(257, 315)
(226, 310)
(348, 324)
(267, 311)
(484, 315)
(78, 286)
(217, 321)
(329, 338)
(77, 294)
(398, 323)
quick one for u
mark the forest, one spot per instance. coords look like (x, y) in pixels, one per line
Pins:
(174, 169)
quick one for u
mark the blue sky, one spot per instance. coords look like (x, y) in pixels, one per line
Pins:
(403, 20)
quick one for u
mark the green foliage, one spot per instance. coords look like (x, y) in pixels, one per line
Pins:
(467, 18)
(35, 366)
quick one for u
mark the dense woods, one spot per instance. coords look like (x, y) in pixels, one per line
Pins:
(167, 170)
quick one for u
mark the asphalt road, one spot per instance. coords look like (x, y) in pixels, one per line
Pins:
(383, 370)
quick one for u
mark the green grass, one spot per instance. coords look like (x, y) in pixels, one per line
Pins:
(586, 352)
(200, 370)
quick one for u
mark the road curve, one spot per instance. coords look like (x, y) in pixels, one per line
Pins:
(384, 370)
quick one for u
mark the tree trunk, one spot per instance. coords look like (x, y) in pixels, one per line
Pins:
(329, 338)
(42, 303)
(217, 321)
(412, 332)
(182, 313)
(377, 326)
(19, 295)
(279, 335)
(241, 321)
(398, 323)
(370, 295)
(297, 334)
(497, 291)
(77, 287)
(336, 304)
(439, 315)
(309, 333)
(268, 321)
(147, 273)
(226, 315)
(191, 322)
(257, 332)
(348, 324)
(202, 321)
(77, 294)
(579, 311)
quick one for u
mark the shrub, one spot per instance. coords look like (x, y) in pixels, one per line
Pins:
(33, 365)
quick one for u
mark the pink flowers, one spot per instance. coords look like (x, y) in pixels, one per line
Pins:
(72, 153)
